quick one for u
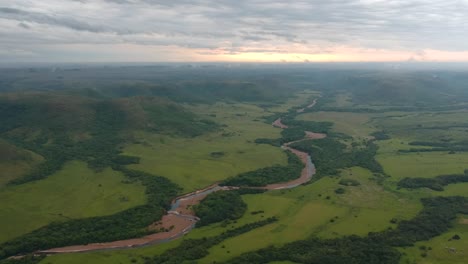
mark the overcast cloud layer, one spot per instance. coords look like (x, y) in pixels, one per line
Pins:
(187, 30)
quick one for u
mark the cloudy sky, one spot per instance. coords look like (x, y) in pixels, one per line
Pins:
(233, 30)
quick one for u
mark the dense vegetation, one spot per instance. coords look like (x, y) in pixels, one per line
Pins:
(405, 89)
(380, 135)
(269, 175)
(182, 84)
(347, 250)
(126, 224)
(63, 128)
(438, 146)
(10, 153)
(435, 218)
(193, 249)
(330, 155)
(220, 206)
(435, 184)
(380, 91)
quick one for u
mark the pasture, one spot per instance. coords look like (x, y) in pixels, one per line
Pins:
(342, 99)
(442, 249)
(197, 162)
(424, 126)
(353, 124)
(424, 164)
(306, 211)
(73, 192)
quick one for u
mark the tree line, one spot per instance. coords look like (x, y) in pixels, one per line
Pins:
(436, 183)
(436, 217)
(268, 175)
(330, 155)
(193, 249)
(220, 206)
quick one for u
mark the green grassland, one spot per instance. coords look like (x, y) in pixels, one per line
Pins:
(393, 145)
(190, 162)
(305, 211)
(73, 192)
(353, 124)
(297, 221)
(444, 250)
(424, 164)
(424, 126)
(371, 206)
(342, 100)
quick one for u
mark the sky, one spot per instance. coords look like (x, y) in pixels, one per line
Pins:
(233, 30)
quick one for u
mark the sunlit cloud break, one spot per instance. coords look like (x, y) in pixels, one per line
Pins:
(225, 30)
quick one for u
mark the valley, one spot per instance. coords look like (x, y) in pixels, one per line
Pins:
(109, 188)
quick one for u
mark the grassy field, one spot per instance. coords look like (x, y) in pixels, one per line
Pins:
(406, 127)
(424, 164)
(74, 192)
(341, 100)
(444, 249)
(424, 126)
(192, 163)
(353, 124)
(298, 219)
(306, 211)
(392, 146)
(370, 206)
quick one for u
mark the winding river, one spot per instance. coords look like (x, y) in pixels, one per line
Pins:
(180, 219)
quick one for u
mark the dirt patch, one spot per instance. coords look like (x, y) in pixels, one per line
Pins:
(185, 206)
(309, 106)
(464, 221)
(312, 135)
(312, 104)
(279, 124)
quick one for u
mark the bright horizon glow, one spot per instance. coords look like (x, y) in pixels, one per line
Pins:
(349, 56)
